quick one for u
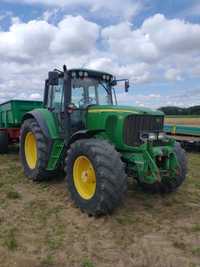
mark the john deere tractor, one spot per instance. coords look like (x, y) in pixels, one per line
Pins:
(98, 143)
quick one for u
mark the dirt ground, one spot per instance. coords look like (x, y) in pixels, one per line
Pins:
(40, 227)
(184, 121)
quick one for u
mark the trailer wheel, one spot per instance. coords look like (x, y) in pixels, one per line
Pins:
(3, 142)
(95, 176)
(33, 151)
(170, 184)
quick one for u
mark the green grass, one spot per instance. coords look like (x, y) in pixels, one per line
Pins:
(13, 195)
(196, 251)
(10, 240)
(196, 227)
(48, 261)
(87, 263)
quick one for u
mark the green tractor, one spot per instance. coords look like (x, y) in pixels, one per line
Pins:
(83, 131)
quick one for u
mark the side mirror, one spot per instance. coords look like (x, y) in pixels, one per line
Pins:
(127, 86)
(46, 93)
(113, 83)
(53, 77)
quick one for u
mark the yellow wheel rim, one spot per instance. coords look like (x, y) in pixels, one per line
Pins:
(84, 177)
(30, 150)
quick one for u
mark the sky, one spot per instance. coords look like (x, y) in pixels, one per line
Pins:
(153, 43)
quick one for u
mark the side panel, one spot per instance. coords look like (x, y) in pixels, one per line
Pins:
(12, 112)
(182, 129)
(109, 123)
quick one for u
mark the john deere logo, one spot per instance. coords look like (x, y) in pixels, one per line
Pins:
(157, 120)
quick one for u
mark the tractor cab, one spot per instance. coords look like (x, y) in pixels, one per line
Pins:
(80, 88)
(70, 93)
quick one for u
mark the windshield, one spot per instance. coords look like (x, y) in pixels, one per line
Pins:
(90, 91)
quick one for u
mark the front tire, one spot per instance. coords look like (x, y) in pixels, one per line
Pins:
(95, 176)
(33, 151)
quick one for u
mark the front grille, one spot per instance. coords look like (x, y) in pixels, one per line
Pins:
(134, 125)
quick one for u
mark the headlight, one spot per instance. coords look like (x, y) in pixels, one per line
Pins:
(148, 136)
(104, 77)
(161, 135)
(152, 136)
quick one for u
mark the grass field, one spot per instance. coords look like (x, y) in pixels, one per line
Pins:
(40, 227)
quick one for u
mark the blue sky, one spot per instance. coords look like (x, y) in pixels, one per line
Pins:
(153, 43)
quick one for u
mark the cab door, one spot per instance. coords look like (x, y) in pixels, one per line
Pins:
(55, 103)
(78, 115)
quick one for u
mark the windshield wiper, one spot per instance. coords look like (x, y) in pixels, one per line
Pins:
(107, 90)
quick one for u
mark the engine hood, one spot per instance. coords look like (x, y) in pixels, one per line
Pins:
(111, 121)
(124, 110)
(112, 118)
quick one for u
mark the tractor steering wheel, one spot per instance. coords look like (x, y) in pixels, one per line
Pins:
(86, 101)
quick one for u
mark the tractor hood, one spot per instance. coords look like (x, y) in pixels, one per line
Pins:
(103, 117)
(125, 110)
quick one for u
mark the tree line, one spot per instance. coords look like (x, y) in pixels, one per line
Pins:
(173, 110)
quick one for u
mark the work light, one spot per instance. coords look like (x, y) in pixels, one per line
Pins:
(73, 74)
(85, 74)
(80, 73)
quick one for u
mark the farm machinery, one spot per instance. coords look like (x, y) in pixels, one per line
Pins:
(11, 114)
(81, 129)
(187, 135)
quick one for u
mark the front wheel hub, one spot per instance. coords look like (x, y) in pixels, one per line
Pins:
(30, 149)
(84, 177)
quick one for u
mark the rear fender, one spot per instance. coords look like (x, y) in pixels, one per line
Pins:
(46, 121)
(49, 128)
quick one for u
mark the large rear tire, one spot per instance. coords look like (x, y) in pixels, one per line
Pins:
(3, 142)
(95, 176)
(170, 184)
(33, 151)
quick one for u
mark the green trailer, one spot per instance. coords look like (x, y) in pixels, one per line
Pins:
(187, 135)
(11, 114)
(187, 130)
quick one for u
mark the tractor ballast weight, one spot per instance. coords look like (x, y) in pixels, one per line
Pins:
(97, 142)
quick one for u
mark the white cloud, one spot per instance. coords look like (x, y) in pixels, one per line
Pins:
(29, 50)
(158, 50)
(130, 44)
(175, 34)
(75, 35)
(37, 39)
(156, 39)
(35, 96)
(152, 100)
(25, 41)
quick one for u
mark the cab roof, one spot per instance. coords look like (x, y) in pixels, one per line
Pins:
(91, 71)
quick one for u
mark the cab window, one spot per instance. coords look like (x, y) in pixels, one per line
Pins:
(56, 97)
